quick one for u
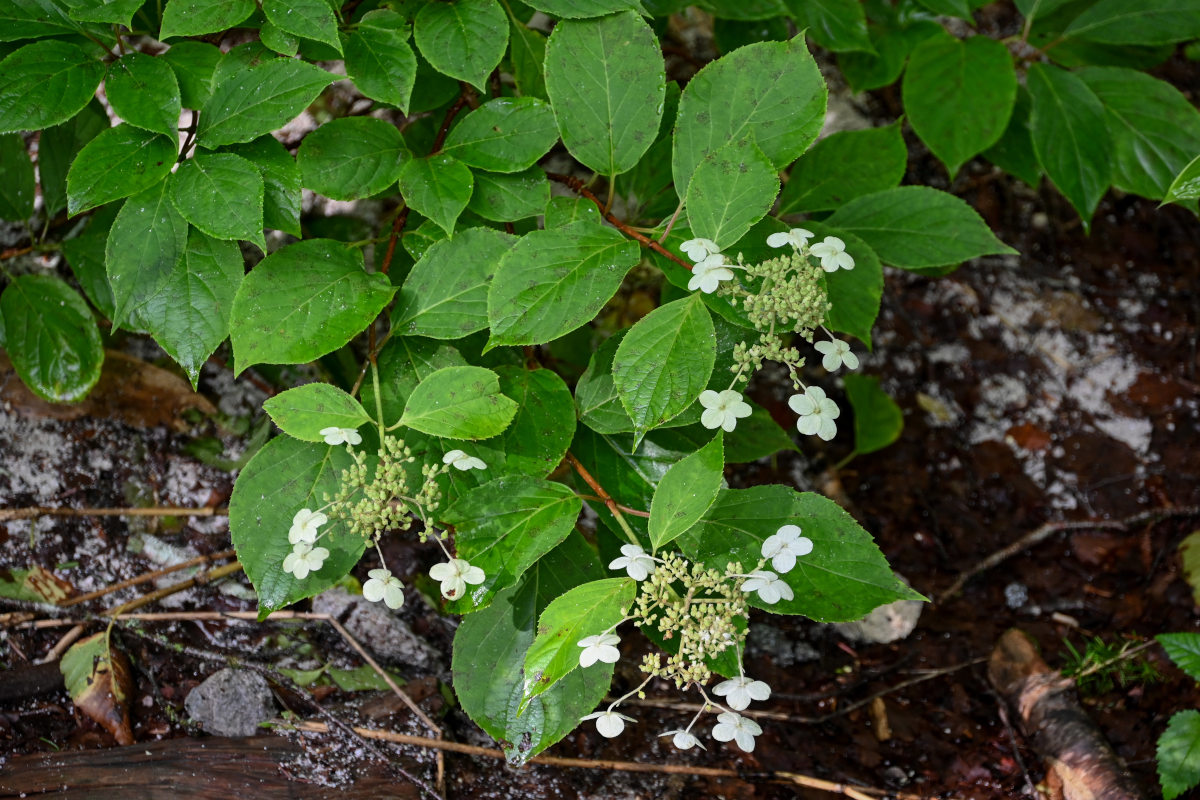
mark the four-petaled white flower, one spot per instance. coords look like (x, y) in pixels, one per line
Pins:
(784, 546)
(709, 273)
(722, 409)
(817, 413)
(769, 586)
(634, 561)
(341, 436)
(460, 460)
(738, 692)
(304, 559)
(609, 723)
(699, 248)
(382, 585)
(684, 740)
(796, 237)
(738, 728)
(454, 576)
(304, 526)
(832, 253)
(601, 647)
(836, 353)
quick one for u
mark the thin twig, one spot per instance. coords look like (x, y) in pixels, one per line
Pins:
(199, 579)
(8, 514)
(149, 576)
(604, 496)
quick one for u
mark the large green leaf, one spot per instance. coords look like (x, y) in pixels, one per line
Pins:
(1149, 23)
(878, 421)
(308, 19)
(893, 42)
(283, 477)
(57, 148)
(193, 64)
(51, 337)
(606, 80)
(439, 187)
(253, 100)
(459, 403)
(731, 189)
(599, 405)
(303, 301)
(843, 166)
(843, 578)
(144, 92)
(504, 135)
(664, 362)
(120, 162)
(303, 412)
(506, 198)
(1184, 650)
(145, 243)
(839, 25)
(86, 257)
(445, 294)
(16, 179)
(553, 281)
(1186, 185)
(1013, 153)
(200, 17)
(538, 438)
(352, 158)
(916, 227)
(221, 194)
(32, 19)
(578, 9)
(403, 363)
(1179, 754)
(46, 83)
(771, 92)
(281, 182)
(1070, 136)
(685, 493)
(959, 95)
(504, 526)
(379, 59)
(464, 39)
(527, 52)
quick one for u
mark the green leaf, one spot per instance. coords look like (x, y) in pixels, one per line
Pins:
(459, 403)
(504, 135)
(144, 92)
(527, 51)
(308, 19)
(278, 39)
(57, 148)
(756, 436)
(46, 83)
(200, 17)
(685, 493)
(281, 182)
(506, 525)
(222, 195)
(949, 8)
(854, 293)
(506, 198)
(770, 92)
(352, 158)
(193, 64)
(664, 362)
(731, 189)
(538, 438)
(283, 477)
(464, 39)
(120, 162)
(553, 281)
(1179, 754)
(563, 211)
(843, 166)
(1013, 153)
(146, 241)
(1189, 555)
(252, 101)
(586, 610)
(843, 578)
(33, 19)
(596, 396)
(747, 10)
(1186, 185)
(85, 256)
(1070, 137)
(838, 25)
(379, 59)
(489, 656)
(16, 179)
(606, 80)
(1184, 650)
(51, 338)
(303, 412)
(878, 421)
(1155, 129)
(445, 294)
(1119, 22)
(579, 9)
(439, 187)
(303, 301)
(959, 95)
(403, 363)
(892, 44)
(189, 314)
(916, 227)
(1036, 9)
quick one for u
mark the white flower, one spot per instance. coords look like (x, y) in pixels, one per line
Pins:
(736, 727)
(796, 237)
(634, 561)
(784, 546)
(684, 740)
(383, 586)
(460, 460)
(304, 526)
(817, 413)
(304, 559)
(709, 273)
(609, 723)
(699, 249)
(738, 692)
(836, 354)
(601, 647)
(454, 576)
(341, 436)
(832, 253)
(768, 585)
(722, 410)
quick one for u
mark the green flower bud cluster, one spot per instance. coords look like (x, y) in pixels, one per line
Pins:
(372, 505)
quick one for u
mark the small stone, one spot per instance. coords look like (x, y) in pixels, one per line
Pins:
(1016, 595)
(231, 702)
(889, 623)
(381, 631)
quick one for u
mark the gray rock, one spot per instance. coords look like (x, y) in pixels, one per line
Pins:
(383, 633)
(231, 702)
(889, 623)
